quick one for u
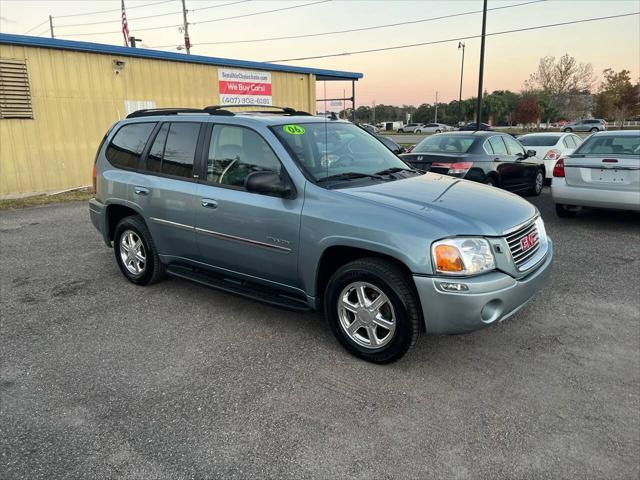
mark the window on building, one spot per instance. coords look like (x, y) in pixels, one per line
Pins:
(126, 147)
(235, 152)
(15, 95)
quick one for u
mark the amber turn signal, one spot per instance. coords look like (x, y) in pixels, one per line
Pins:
(448, 259)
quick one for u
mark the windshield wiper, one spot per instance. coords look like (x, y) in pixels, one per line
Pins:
(397, 170)
(350, 176)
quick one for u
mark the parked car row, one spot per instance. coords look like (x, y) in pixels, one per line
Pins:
(424, 128)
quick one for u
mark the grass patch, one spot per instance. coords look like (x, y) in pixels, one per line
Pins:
(38, 200)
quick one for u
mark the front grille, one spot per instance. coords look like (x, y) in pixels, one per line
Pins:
(520, 256)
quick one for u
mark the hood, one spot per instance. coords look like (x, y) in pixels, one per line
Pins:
(456, 206)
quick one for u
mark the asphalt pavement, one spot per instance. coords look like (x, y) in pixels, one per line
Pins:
(100, 378)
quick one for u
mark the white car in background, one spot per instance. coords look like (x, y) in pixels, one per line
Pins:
(550, 147)
(604, 172)
(433, 128)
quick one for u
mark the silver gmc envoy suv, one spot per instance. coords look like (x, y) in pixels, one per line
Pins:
(311, 213)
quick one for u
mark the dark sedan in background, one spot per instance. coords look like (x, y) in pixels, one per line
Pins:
(487, 157)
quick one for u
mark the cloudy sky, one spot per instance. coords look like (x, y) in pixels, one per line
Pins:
(399, 76)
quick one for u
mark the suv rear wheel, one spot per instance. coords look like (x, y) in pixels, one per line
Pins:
(136, 253)
(594, 130)
(372, 310)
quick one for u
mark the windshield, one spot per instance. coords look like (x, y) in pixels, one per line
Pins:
(610, 145)
(329, 150)
(445, 144)
(539, 140)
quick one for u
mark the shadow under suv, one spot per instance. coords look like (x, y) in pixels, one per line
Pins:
(311, 213)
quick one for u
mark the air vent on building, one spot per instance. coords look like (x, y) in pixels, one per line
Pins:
(15, 96)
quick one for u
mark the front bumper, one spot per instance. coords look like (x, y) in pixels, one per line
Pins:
(594, 197)
(490, 298)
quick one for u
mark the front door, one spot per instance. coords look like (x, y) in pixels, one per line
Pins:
(250, 234)
(506, 165)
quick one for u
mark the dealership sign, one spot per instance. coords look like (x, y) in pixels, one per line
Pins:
(244, 87)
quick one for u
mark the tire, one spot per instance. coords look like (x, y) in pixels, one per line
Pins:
(538, 184)
(565, 212)
(438, 131)
(417, 131)
(594, 130)
(491, 181)
(400, 130)
(400, 308)
(567, 130)
(130, 230)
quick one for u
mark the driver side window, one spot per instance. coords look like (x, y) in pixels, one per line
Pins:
(235, 152)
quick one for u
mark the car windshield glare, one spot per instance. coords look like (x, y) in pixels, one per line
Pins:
(610, 145)
(338, 150)
(445, 144)
(539, 140)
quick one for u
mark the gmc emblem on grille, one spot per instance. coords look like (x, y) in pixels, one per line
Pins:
(527, 241)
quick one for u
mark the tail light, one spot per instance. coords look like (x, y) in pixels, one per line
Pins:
(558, 169)
(552, 154)
(94, 176)
(458, 168)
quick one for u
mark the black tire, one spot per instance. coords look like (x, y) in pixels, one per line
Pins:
(438, 131)
(153, 270)
(400, 130)
(491, 181)
(594, 130)
(564, 211)
(395, 284)
(567, 130)
(536, 188)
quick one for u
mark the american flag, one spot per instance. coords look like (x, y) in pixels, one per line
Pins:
(125, 26)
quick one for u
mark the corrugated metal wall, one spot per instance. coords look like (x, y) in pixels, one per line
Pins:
(77, 96)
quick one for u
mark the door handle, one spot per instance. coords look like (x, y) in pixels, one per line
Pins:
(141, 191)
(209, 203)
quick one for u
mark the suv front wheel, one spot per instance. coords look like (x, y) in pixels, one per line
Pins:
(372, 310)
(136, 253)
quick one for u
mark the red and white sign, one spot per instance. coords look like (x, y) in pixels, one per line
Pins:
(244, 87)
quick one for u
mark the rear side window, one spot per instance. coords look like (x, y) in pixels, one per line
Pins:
(445, 144)
(539, 140)
(174, 149)
(126, 147)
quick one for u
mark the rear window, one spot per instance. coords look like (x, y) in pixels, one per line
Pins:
(610, 145)
(445, 144)
(126, 147)
(539, 140)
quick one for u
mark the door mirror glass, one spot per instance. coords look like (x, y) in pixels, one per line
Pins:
(531, 153)
(267, 183)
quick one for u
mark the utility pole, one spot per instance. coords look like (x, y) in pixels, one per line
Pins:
(484, 31)
(51, 26)
(187, 40)
(436, 116)
(461, 46)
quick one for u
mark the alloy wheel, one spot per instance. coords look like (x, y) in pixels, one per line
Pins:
(366, 315)
(132, 252)
(539, 182)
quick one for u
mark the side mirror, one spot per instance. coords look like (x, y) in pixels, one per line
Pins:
(531, 153)
(268, 183)
(400, 150)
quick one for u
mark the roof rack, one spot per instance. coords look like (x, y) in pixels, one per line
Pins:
(211, 110)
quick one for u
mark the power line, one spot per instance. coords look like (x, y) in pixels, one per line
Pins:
(196, 23)
(112, 10)
(456, 39)
(33, 28)
(361, 29)
(149, 16)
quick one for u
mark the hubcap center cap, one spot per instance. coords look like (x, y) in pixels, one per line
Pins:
(365, 316)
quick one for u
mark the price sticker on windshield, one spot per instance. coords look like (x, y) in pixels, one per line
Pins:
(293, 129)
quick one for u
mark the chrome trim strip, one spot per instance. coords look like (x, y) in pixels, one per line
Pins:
(247, 241)
(171, 224)
(604, 166)
(522, 225)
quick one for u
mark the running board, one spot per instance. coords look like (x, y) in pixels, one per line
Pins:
(243, 288)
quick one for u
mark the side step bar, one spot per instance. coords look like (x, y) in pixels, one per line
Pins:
(243, 288)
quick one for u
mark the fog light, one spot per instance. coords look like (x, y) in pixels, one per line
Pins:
(454, 287)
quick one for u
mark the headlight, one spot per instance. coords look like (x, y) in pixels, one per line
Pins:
(462, 256)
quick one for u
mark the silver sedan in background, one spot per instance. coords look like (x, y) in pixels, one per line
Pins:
(603, 172)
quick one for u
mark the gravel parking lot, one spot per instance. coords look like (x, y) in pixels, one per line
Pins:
(103, 379)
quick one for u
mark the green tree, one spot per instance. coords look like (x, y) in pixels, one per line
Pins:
(618, 98)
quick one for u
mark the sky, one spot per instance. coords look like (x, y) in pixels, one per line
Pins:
(403, 76)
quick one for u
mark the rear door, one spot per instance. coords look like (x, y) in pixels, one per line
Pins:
(606, 162)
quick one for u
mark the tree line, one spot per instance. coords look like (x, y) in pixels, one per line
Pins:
(560, 89)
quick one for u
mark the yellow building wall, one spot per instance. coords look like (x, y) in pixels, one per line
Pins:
(77, 96)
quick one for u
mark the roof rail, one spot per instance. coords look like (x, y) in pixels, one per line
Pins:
(211, 110)
(285, 110)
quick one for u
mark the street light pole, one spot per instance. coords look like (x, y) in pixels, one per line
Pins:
(461, 46)
(436, 114)
(484, 31)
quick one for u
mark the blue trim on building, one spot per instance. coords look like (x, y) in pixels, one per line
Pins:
(90, 47)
